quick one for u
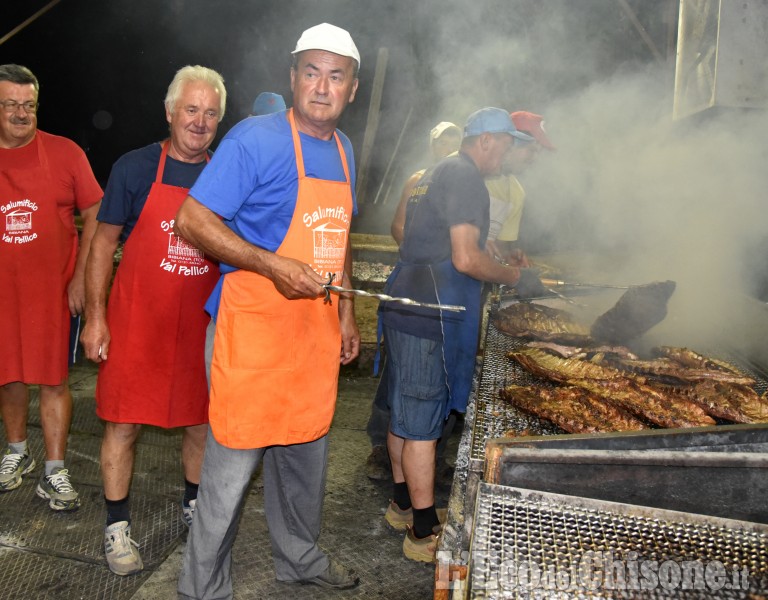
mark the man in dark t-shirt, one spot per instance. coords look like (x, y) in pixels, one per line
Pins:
(432, 352)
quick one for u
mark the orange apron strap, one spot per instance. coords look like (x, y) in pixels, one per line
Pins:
(300, 156)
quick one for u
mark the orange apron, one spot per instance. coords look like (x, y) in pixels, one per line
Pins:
(37, 260)
(155, 374)
(274, 373)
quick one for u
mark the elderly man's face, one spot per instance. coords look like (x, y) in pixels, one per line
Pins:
(323, 83)
(17, 126)
(194, 121)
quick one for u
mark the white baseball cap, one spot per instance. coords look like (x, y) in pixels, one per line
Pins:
(329, 38)
(441, 128)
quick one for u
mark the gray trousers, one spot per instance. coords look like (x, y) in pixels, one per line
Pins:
(294, 486)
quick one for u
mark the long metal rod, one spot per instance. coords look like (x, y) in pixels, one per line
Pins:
(386, 298)
(558, 283)
(37, 15)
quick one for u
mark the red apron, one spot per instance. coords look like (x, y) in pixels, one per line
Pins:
(37, 260)
(274, 374)
(155, 373)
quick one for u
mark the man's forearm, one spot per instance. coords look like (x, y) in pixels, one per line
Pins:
(98, 273)
(203, 229)
(86, 236)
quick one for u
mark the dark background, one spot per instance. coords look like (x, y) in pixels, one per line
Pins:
(104, 66)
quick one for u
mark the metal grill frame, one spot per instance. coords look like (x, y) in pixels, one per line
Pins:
(553, 531)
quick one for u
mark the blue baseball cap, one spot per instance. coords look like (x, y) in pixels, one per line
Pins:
(267, 103)
(493, 120)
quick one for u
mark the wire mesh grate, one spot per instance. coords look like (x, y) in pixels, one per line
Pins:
(529, 544)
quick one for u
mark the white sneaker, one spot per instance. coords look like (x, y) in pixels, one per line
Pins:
(121, 551)
(58, 490)
(187, 512)
(12, 467)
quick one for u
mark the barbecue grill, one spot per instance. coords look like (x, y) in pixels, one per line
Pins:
(556, 464)
(531, 544)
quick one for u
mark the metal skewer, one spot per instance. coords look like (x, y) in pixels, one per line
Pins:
(558, 283)
(386, 298)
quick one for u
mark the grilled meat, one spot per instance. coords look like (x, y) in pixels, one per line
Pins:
(626, 390)
(640, 308)
(671, 369)
(648, 402)
(548, 366)
(736, 403)
(539, 322)
(573, 409)
(694, 360)
(583, 351)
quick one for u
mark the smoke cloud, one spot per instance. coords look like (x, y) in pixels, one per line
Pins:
(630, 196)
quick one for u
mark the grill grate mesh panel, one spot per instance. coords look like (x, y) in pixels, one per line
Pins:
(493, 417)
(515, 527)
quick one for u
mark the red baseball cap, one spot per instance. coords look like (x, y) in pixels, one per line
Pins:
(532, 124)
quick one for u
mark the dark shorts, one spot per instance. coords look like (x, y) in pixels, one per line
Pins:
(418, 393)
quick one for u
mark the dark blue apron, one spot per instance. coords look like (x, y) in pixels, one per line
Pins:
(459, 329)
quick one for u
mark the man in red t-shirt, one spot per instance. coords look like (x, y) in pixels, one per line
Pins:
(44, 178)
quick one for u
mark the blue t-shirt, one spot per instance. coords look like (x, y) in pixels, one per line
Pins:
(451, 193)
(252, 181)
(131, 179)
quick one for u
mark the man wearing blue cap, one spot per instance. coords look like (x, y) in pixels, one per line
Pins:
(432, 352)
(267, 103)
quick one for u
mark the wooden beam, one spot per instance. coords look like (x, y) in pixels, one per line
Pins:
(641, 30)
(31, 19)
(372, 124)
(392, 159)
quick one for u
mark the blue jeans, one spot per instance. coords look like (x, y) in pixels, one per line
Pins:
(418, 392)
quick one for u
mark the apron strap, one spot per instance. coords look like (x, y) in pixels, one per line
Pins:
(161, 164)
(300, 156)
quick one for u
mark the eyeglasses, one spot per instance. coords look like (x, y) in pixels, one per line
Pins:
(11, 106)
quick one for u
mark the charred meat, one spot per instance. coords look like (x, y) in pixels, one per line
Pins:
(648, 403)
(666, 368)
(555, 368)
(583, 351)
(573, 409)
(640, 308)
(623, 389)
(737, 403)
(538, 322)
(694, 360)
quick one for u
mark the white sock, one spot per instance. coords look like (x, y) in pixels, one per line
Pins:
(19, 447)
(50, 465)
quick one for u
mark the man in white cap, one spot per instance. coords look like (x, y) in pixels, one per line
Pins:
(431, 353)
(274, 206)
(444, 140)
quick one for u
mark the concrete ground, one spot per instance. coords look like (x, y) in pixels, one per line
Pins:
(59, 556)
